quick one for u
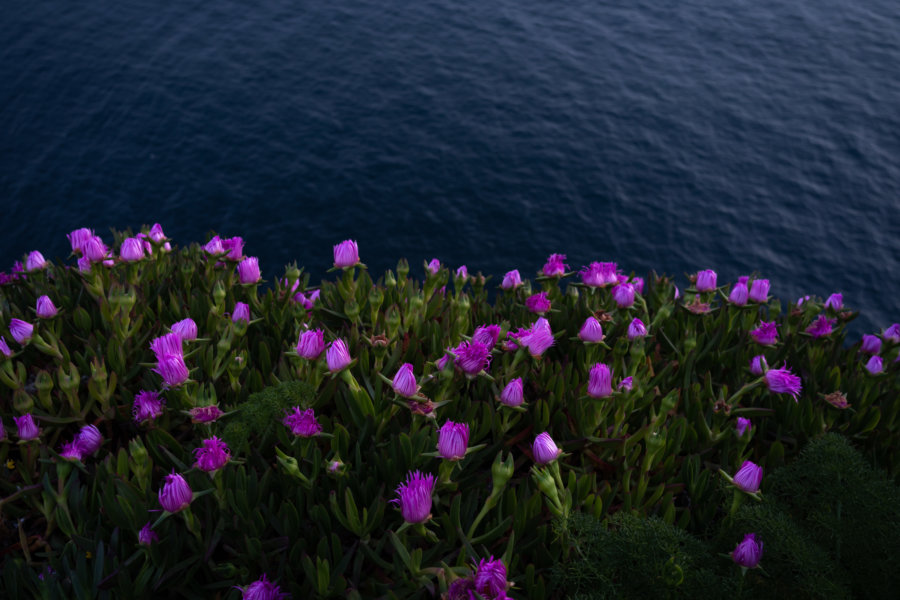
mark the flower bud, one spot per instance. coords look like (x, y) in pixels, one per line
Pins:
(599, 274)
(89, 439)
(146, 536)
(310, 344)
(402, 269)
(892, 333)
(748, 552)
(433, 267)
(591, 330)
(338, 356)
(706, 281)
(743, 425)
(4, 347)
(27, 428)
(636, 329)
(346, 254)
(511, 280)
(241, 312)
(235, 248)
(555, 266)
(513, 394)
(404, 383)
(248, 270)
(175, 494)
(875, 365)
(871, 344)
(186, 329)
(453, 439)
(623, 294)
(415, 497)
(739, 294)
(172, 369)
(35, 261)
(758, 364)
(205, 414)
(214, 246)
(78, 238)
(835, 302)
(132, 250)
(545, 449)
(759, 290)
(21, 331)
(45, 308)
(748, 477)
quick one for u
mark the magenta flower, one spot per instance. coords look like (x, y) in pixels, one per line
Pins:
(168, 344)
(759, 290)
(871, 344)
(487, 335)
(172, 369)
(147, 536)
(235, 248)
(636, 329)
(132, 250)
(706, 281)
(248, 270)
(147, 406)
(600, 381)
(145, 243)
(84, 264)
(743, 425)
(599, 274)
(89, 439)
(311, 344)
(513, 394)
(45, 308)
(71, 451)
(214, 246)
(78, 238)
(241, 312)
(739, 294)
(638, 283)
(835, 302)
(511, 280)
(892, 333)
(175, 494)
(4, 347)
(94, 249)
(302, 423)
(782, 381)
(453, 439)
(338, 356)
(545, 449)
(623, 294)
(537, 338)
(212, 456)
(801, 300)
(446, 359)
(626, 384)
(262, 589)
(27, 428)
(490, 579)
(538, 303)
(748, 552)
(748, 477)
(461, 589)
(434, 266)
(205, 414)
(156, 234)
(404, 383)
(346, 254)
(766, 334)
(472, 357)
(591, 330)
(462, 272)
(758, 364)
(415, 497)
(555, 266)
(875, 365)
(821, 326)
(35, 261)
(21, 330)
(186, 329)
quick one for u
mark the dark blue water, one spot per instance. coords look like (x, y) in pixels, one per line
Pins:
(737, 135)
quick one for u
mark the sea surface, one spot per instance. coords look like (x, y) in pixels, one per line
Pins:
(743, 136)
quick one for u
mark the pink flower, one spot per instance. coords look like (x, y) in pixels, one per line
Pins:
(871, 344)
(262, 589)
(748, 552)
(623, 294)
(766, 334)
(212, 455)
(302, 423)
(132, 250)
(415, 497)
(538, 303)
(758, 364)
(490, 579)
(241, 312)
(706, 281)
(214, 246)
(338, 356)
(169, 343)
(235, 248)
(45, 308)
(472, 357)
(748, 477)
(248, 270)
(821, 326)
(591, 330)
(511, 280)
(346, 254)
(89, 439)
(636, 329)
(600, 381)
(433, 267)
(892, 333)
(453, 438)
(78, 238)
(487, 335)
(462, 272)
(156, 233)
(626, 384)
(875, 365)
(71, 451)
(743, 425)
(205, 414)
(782, 381)
(311, 344)
(27, 428)
(172, 369)
(538, 338)
(35, 261)
(94, 249)
(147, 406)
(175, 494)
(513, 394)
(759, 290)
(147, 536)
(599, 274)
(4, 347)
(835, 302)
(555, 266)
(545, 449)
(21, 330)
(186, 329)
(404, 383)
(739, 294)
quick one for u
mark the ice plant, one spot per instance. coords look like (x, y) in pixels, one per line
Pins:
(600, 381)
(214, 246)
(472, 357)
(821, 327)
(35, 261)
(487, 335)
(311, 344)
(623, 294)
(545, 449)
(175, 494)
(748, 552)
(78, 238)
(875, 365)
(27, 428)
(743, 425)
(636, 329)
(626, 384)
(205, 414)
(248, 270)
(415, 497)
(538, 338)
(89, 439)
(538, 303)
(490, 579)
(782, 381)
(147, 536)
(433, 267)
(706, 281)
(45, 309)
(404, 382)
(212, 455)
(453, 439)
(262, 589)
(748, 477)
(172, 369)
(892, 333)
(766, 334)
(591, 330)
(156, 234)
(513, 394)
(235, 248)
(94, 249)
(132, 250)
(241, 312)
(169, 343)
(555, 266)
(147, 406)
(186, 329)
(346, 254)
(71, 451)
(21, 330)
(758, 364)
(739, 294)
(759, 290)
(835, 302)
(511, 280)
(871, 344)
(337, 356)
(462, 272)
(638, 283)
(4, 347)
(599, 274)
(302, 423)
